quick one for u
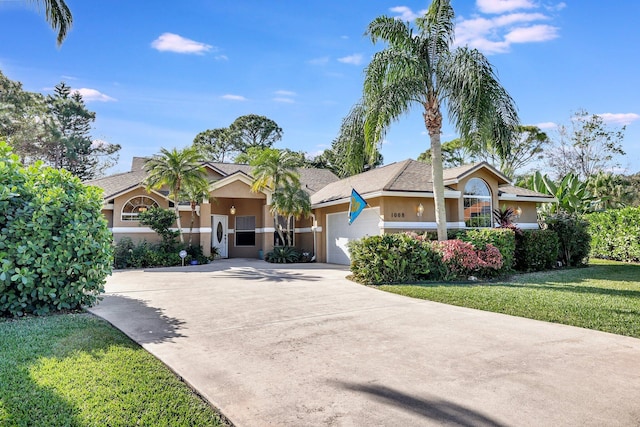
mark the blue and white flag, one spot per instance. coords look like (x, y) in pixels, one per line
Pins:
(356, 205)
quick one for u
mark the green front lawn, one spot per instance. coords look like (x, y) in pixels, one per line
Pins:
(76, 370)
(604, 296)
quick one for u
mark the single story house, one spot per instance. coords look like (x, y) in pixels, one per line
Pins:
(399, 198)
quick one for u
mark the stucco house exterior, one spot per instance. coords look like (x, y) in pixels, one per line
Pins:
(399, 197)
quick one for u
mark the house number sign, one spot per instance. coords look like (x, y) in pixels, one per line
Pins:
(397, 214)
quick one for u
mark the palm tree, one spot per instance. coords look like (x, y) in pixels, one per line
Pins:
(176, 170)
(276, 170)
(195, 192)
(272, 168)
(58, 15)
(422, 68)
(290, 201)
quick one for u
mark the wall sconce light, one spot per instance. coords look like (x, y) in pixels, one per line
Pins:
(232, 211)
(420, 209)
(198, 210)
(518, 212)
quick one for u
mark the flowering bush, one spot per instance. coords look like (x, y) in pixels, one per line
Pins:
(462, 259)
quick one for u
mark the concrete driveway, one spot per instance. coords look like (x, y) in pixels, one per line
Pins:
(302, 346)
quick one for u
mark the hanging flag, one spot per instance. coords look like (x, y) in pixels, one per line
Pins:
(356, 205)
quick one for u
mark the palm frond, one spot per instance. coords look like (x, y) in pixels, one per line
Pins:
(477, 104)
(58, 15)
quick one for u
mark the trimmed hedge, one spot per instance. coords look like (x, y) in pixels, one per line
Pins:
(615, 234)
(394, 258)
(573, 238)
(536, 250)
(55, 247)
(502, 238)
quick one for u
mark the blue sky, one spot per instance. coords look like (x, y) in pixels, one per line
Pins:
(158, 73)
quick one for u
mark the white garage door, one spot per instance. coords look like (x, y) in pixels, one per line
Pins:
(339, 232)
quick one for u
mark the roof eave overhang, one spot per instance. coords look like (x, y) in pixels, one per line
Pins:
(536, 199)
(448, 194)
(238, 176)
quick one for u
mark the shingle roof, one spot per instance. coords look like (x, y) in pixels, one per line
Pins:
(115, 184)
(311, 179)
(521, 192)
(407, 176)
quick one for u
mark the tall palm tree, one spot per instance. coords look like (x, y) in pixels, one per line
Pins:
(290, 201)
(276, 170)
(423, 69)
(272, 168)
(195, 192)
(175, 170)
(58, 15)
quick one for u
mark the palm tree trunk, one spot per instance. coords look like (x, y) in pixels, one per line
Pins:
(433, 122)
(438, 186)
(179, 223)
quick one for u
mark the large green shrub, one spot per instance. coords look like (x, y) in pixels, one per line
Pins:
(615, 234)
(573, 238)
(55, 246)
(536, 250)
(394, 258)
(501, 238)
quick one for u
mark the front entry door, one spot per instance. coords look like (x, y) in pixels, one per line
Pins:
(219, 235)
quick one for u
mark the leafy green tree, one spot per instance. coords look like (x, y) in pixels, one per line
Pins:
(216, 145)
(423, 69)
(454, 153)
(176, 170)
(585, 147)
(58, 15)
(348, 154)
(527, 146)
(54, 129)
(254, 131)
(610, 191)
(289, 201)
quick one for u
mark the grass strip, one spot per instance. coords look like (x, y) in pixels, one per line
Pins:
(77, 370)
(604, 296)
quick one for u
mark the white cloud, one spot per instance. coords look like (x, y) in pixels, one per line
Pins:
(405, 13)
(231, 97)
(547, 125)
(99, 143)
(501, 6)
(169, 42)
(355, 59)
(324, 60)
(285, 93)
(535, 33)
(497, 34)
(93, 95)
(284, 100)
(621, 119)
(221, 57)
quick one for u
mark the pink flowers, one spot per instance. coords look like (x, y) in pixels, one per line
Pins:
(462, 259)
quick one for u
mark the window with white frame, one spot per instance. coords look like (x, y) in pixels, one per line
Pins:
(135, 206)
(245, 230)
(281, 223)
(477, 204)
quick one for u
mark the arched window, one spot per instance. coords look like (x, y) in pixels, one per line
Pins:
(477, 204)
(135, 206)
